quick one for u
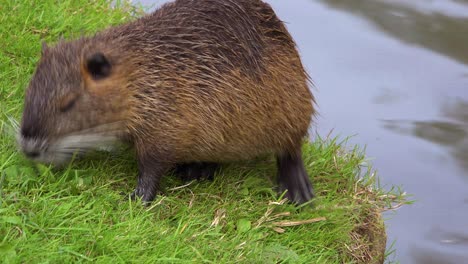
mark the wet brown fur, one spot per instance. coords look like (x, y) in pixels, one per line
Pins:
(195, 81)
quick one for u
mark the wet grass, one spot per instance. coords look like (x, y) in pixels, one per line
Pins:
(78, 213)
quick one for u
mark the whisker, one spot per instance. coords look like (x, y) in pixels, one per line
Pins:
(78, 142)
(70, 151)
(82, 143)
(11, 128)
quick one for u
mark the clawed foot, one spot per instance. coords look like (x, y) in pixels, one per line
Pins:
(196, 171)
(294, 179)
(138, 195)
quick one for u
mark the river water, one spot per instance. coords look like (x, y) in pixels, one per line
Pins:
(394, 73)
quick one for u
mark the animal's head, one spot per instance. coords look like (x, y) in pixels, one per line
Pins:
(75, 101)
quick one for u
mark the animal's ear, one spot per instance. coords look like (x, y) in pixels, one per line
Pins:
(98, 66)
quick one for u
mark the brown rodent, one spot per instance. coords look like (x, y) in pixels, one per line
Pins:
(197, 82)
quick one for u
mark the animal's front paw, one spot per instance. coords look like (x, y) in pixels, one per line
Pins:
(139, 194)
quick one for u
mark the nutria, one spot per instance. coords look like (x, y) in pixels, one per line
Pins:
(196, 82)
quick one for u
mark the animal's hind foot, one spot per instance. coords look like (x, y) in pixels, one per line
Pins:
(196, 171)
(293, 178)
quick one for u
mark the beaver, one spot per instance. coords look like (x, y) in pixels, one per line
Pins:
(193, 84)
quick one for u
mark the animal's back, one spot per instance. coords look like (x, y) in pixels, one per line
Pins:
(222, 80)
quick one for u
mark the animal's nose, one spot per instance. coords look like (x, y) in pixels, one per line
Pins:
(32, 154)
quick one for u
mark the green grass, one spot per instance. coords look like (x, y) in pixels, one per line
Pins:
(78, 214)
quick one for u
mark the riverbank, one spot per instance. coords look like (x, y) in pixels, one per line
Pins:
(78, 214)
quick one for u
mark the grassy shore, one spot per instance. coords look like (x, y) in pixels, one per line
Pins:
(78, 213)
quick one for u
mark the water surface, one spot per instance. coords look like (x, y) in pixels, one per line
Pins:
(394, 73)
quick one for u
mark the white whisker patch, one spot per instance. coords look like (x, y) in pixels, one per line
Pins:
(61, 150)
(84, 142)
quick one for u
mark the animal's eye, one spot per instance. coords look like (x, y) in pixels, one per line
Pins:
(67, 102)
(98, 66)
